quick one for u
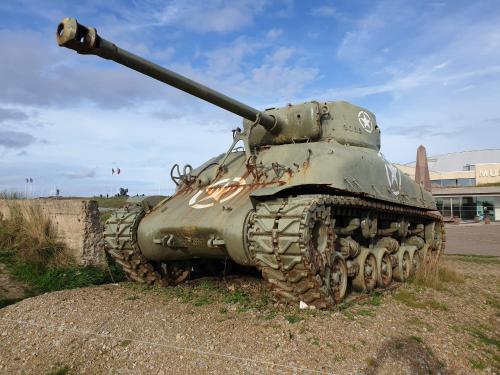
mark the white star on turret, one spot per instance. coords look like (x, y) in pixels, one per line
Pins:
(365, 121)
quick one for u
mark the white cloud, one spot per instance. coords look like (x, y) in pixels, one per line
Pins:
(201, 16)
(324, 11)
(274, 33)
(281, 55)
(437, 90)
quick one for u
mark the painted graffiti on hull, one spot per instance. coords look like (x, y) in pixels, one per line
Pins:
(393, 175)
(393, 178)
(218, 192)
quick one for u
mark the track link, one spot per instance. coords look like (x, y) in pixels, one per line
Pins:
(120, 235)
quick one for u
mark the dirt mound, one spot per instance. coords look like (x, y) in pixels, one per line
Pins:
(230, 327)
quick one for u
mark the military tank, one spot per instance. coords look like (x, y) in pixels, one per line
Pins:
(309, 200)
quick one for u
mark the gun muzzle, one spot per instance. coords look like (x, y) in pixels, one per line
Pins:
(83, 39)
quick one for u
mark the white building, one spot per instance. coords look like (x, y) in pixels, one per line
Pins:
(466, 184)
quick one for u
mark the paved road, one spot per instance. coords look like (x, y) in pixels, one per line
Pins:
(478, 239)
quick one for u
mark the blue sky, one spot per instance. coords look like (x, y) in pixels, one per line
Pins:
(429, 70)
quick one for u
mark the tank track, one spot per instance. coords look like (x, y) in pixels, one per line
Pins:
(279, 238)
(120, 238)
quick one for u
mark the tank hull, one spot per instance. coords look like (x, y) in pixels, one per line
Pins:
(196, 216)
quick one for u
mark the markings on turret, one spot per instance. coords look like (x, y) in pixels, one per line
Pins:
(365, 121)
(393, 176)
(219, 192)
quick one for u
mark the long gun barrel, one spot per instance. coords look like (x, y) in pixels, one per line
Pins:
(84, 40)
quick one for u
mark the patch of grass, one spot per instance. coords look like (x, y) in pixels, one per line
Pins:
(7, 257)
(208, 285)
(365, 312)
(496, 358)
(471, 258)
(477, 364)
(435, 276)
(270, 315)
(485, 339)
(132, 298)
(184, 294)
(223, 310)
(48, 279)
(293, 318)
(314, 341)
(376, 300)
(207, 292)
(125, 343)
(203, 300)
(32, 235)
(448, 275)
(42, 278)
(338, 357)
(348, 314)
(8, 301)
(238, 297)
(36, 257)
(112, 202)
(417, 339)
(436, 305)
(408, 298)
(59, 371)
(420, 323)
(493, 303)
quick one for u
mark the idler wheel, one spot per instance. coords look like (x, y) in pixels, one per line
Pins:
(384, 267)
(366, 279)
(402, 271)
(336, 277)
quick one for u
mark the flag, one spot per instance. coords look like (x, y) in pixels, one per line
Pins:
(112, 171)
(27, 180)
(117, 170)
(31, 180)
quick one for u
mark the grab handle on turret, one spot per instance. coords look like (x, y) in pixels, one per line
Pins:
(86, 41)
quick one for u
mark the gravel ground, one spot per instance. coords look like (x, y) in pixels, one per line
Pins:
(196, 328)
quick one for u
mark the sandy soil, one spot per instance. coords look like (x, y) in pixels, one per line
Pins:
(225, 328)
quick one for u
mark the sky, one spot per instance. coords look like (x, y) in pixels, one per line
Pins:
(429, 70)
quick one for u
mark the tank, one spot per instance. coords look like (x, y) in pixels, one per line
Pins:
(309, 200)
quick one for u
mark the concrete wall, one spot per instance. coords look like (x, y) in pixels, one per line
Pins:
(77, 223)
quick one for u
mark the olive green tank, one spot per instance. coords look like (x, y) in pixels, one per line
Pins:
(309, 200)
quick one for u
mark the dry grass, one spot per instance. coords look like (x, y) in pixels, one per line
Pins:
(435, 276)
(32, 235)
